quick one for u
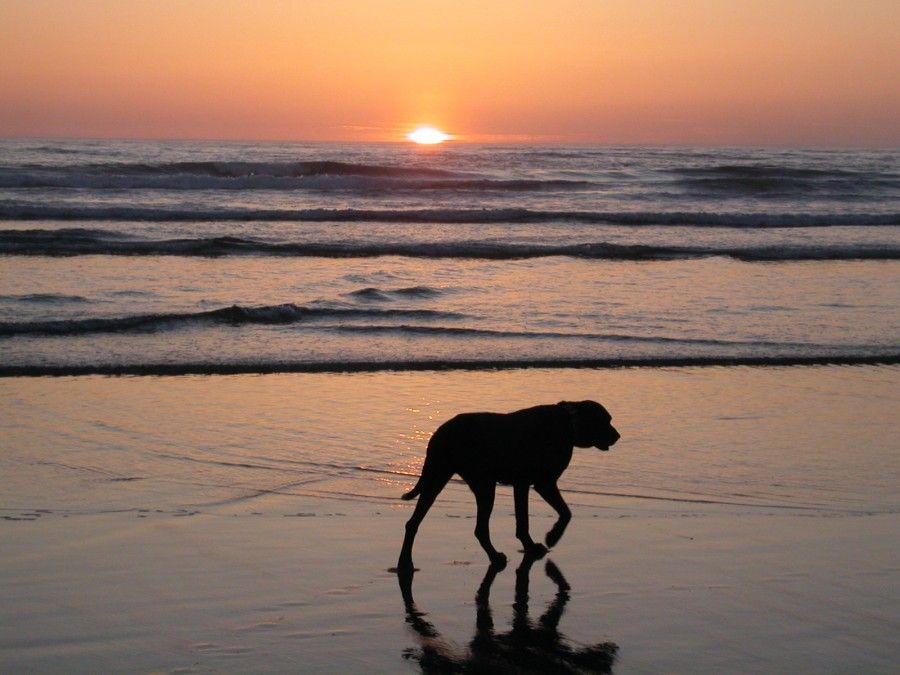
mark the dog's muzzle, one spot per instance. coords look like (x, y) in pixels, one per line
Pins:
(610, 439)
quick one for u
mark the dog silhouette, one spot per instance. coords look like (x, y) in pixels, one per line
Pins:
(530, 447)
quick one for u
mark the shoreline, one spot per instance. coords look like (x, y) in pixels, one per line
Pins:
(176, 369)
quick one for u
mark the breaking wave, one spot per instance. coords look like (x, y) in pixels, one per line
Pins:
(371, 294)
(264, 367)
(12, 210)
(235, 315)
(82, 241)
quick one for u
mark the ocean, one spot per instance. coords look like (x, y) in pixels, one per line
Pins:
(154, 257)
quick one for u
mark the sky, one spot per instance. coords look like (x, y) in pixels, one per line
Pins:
(716, 72)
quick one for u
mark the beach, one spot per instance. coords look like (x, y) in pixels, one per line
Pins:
(746, 522)
(496, 338)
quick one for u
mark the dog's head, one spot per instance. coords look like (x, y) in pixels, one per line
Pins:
(591, 424)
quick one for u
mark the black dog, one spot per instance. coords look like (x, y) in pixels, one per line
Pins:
(523, 448)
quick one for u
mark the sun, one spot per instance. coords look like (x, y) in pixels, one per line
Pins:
(427, 136)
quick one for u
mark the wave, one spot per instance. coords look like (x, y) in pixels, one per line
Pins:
(12, 210)
(312, 175)
(774, 180)
(235, 315)
(777, 171)
(417, 292)
(464, 331)
(57, 150)
(208, 368)
(238, 169)
(371, 294)
(82, 241)
(323, 182)
(45, 298)
(759, 180)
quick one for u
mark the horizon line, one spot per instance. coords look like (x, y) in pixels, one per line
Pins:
(536, 141)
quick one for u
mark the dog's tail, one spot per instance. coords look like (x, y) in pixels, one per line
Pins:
(427, 470)
(433, 469)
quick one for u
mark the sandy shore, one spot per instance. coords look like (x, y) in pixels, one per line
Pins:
(293, 582)
(277, 594)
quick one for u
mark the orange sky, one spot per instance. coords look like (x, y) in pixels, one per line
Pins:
(797, 72)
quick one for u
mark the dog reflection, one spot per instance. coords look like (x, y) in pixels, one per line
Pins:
(528, 647)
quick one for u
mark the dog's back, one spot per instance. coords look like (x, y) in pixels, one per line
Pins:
(504, 447)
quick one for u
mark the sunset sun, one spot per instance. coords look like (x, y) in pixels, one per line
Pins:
(427, 136)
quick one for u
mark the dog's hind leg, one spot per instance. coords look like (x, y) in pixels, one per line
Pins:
(429, 486)
(550, 493)
(484, 498)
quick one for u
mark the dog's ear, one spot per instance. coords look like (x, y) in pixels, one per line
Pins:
(590, 423)
(579, 428)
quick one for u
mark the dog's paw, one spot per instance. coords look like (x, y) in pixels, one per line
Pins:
(498, 559)
(402, 570)
(404, 566)
(554, 535)
(535, 551)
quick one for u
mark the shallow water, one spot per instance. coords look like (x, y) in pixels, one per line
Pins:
(817, 440)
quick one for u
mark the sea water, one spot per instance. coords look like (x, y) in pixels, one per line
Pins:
(166, 257)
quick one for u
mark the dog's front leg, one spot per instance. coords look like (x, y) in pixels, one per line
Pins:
(530, 548)
(550, 493)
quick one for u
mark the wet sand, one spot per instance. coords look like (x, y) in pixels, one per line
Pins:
(295, 582)
(276, 594)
